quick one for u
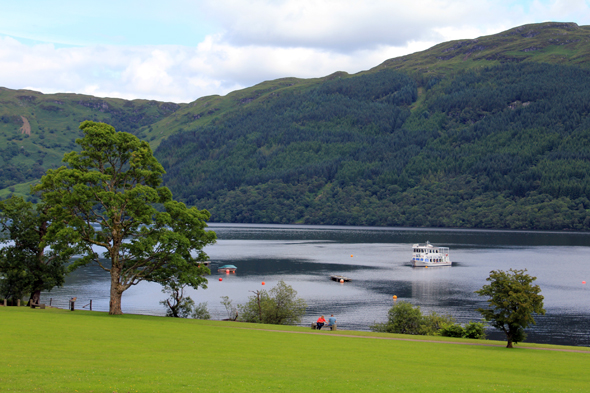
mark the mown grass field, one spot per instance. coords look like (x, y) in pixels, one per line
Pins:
(61, 351)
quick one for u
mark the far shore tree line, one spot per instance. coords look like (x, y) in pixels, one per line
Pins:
(108, 207)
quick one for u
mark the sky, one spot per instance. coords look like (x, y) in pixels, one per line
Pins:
(180, 50)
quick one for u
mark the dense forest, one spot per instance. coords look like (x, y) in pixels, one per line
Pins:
(500, 147)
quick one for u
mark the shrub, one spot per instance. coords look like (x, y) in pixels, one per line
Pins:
(232, 312)
(452, 330)
(433, 323)
(475, 330)
(200, 311)
(404, 318)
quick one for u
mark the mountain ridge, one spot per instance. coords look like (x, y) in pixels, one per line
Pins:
(483, 133)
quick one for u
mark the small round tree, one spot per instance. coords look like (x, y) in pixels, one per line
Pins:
(512, 301)
(404, 318)
(279, 306)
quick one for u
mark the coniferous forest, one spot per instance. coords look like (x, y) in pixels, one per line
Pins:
(501, 147)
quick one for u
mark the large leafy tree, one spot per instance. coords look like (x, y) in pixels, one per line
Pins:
(27, 264)
(109, 201)
(512, 301)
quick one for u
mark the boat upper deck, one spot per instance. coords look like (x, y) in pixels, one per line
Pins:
(427, 248)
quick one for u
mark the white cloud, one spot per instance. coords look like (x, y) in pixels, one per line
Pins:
(170, 73)
(350, 25)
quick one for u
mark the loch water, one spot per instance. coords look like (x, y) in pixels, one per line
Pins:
(377, 260)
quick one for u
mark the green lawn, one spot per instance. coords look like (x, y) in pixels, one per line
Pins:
(82, 351)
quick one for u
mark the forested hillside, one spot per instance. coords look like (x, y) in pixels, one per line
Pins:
(485, 133)
(501, 147)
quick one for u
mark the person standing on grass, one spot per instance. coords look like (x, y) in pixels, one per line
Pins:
(331, 320)
(320, 322)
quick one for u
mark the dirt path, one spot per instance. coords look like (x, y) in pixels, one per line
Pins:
(482, 344)
(26, 128)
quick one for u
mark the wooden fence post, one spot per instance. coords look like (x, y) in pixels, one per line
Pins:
(18, 303)
(72, 301)
(90, 304)
(50, 299)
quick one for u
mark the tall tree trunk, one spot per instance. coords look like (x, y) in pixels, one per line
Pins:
(116, 293)
(509, 336)
(509, 344)
(35, 293)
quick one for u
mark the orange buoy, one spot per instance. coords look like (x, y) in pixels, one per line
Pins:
(394, 297)
(227, 270)
(425, 267)
(341, 281)
(220, 279)
(263, 283)
(583, 282)
(351, 255)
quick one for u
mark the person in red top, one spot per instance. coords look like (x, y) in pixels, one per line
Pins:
(320, 322)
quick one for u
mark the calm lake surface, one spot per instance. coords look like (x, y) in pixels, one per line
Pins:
(305, 256)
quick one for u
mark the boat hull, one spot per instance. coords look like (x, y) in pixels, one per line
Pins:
(338, 278)
(429, 264)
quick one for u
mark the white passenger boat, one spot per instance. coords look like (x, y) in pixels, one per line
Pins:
(426, 255)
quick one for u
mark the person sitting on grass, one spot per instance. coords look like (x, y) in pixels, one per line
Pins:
(320, 322)
(331, 321)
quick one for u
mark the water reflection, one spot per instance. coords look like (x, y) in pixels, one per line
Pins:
(305, 256)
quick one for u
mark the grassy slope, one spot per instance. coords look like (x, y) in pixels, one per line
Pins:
(550, 42)
(57, 116)
(54, 119)
(57, 351)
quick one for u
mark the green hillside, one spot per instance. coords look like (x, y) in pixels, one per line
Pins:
(37, 129)
(499, 147)
(551, 42)
(485, 133)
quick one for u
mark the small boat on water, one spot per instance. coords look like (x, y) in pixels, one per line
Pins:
(426, 255)
(339, 278)
(227, 269)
